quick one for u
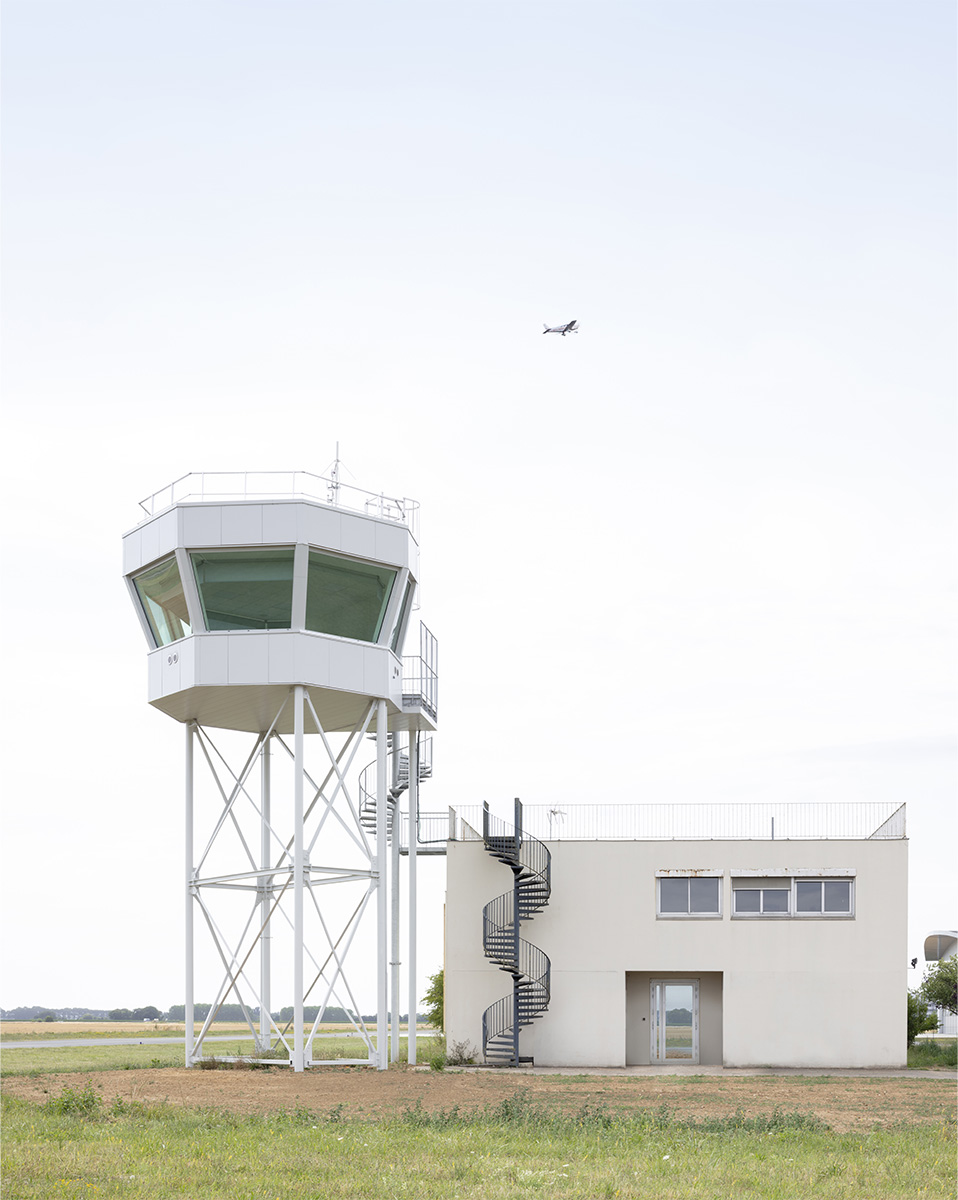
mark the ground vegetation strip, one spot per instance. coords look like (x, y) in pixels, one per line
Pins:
(76, 1144)
(842, 1103)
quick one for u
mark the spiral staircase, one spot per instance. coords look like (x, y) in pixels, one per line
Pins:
(531, 864)
(398, 783)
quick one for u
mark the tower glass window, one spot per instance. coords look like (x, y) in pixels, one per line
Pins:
(396, 642)
(347, 598)
(245, 589)
(161, 593)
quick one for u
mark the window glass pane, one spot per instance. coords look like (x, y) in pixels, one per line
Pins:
(399, 631)
(704, 895)
(838, 894)
(347, 598)
(245, 589)
(674, 895)
(775, 900)
(161, 594)
(747, 900)
(808, 895)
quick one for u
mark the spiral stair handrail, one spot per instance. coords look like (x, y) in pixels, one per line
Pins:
(398, 773)
(530, 967)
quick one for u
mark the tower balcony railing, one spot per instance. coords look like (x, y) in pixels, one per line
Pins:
(219, 486)
(696, 822)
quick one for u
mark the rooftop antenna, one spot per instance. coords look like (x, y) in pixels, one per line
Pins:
(334, 476)
(557, 815)
(334, 484)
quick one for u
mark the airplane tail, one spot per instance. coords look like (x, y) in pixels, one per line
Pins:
(545, 328)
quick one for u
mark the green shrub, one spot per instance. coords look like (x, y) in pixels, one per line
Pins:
(919, 1020)
(76, 1102)
(933, 1054)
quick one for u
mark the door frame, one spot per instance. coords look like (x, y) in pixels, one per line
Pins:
(654, 1023)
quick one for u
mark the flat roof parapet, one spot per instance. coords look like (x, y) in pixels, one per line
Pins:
(696, 822)
(218, 487)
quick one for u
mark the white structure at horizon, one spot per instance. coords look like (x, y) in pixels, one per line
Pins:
(276, 606)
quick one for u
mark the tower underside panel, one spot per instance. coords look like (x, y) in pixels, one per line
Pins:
(252, 709)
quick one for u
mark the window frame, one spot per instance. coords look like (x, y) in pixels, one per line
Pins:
(147, 617)
(688, 876)
(822, 914)
(762, 915)
(396, 584)
(203, 625)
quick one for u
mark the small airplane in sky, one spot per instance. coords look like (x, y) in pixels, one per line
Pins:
(569, 327)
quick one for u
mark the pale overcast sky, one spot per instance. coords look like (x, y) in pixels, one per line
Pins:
(702, 551)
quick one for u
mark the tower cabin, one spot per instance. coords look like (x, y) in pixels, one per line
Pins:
(248, 584)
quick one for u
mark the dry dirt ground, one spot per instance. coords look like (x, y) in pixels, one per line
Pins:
(844, 1103)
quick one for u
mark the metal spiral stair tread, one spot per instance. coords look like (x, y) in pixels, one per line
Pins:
(530, 968)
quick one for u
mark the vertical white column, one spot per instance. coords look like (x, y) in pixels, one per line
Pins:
(396, 822)
(382, 998)
(298, 878)
(411, 905)
(265, 899)
(188, 851)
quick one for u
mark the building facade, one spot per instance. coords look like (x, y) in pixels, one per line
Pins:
(731, 950)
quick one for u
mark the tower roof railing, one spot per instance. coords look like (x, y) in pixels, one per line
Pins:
(697, 822)
(225, 486)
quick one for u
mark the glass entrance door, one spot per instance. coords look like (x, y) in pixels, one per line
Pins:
(675, 1020)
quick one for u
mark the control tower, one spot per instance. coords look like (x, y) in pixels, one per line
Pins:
(276, 605)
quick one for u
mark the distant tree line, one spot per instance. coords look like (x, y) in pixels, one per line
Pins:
(177, 1012)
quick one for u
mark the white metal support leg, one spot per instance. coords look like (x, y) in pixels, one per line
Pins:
(188, 1014)
(382, 781)
(298, 878)
(266, 894)
(411, 906)
(394, 930)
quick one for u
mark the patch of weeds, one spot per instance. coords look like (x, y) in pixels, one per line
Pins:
(933, 1054)
(518, 1111)
(76, 1102)
(437, 1062)
(460, 1054)
(777, 1122)
(126, 1108)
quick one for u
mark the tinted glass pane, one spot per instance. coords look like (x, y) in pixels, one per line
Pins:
(161, 594)
(747, 900)
(838, 895)
(775, 900)
(245, 589)
(399, 631)
(347, 598)
(808, 895)
(704, 895)
(674, 895)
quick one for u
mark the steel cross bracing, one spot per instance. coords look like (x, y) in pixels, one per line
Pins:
(288, 869)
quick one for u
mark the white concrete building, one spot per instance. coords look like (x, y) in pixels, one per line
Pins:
(743, 935)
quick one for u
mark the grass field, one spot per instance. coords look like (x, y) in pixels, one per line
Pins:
(476, 1136)
(75, 1146)
(64, 1060)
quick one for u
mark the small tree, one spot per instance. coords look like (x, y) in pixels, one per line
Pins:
(434, 1000)
(940, 985)
(919, 1018)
